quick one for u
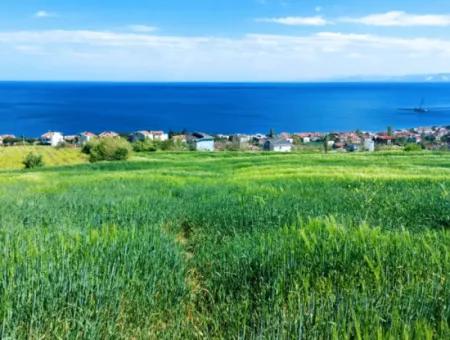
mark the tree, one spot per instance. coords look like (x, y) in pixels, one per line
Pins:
(108, 149)
(145, 145)
(33, 160)
(272, 133)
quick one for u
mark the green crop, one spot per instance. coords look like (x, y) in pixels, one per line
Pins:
(227, 245)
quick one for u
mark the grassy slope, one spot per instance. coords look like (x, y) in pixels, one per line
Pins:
(227, 245)
(12, 157)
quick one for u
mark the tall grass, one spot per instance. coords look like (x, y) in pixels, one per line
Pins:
(95, 283)
(323, 280)
(228, 245)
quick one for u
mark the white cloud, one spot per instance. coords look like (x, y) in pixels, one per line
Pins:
(296, 21)
(142, 28)
(399, 18)
(100, 55)
(44, 14)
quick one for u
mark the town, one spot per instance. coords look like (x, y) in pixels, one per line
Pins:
(432, 138)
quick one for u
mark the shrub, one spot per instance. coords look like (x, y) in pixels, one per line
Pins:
(413, 147)
(33, 160)
(144, 146)
(108, 149)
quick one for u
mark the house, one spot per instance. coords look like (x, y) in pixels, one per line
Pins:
(241, 139)
(384, 139)
(141, 136)
(278, 145)
(353, 138)
(52, 138)
(4, 138)
(179, 138)
(159, 136)
(85, 137)
(369, 145)
(201, 141)
(71, 139)
(258, 139)
(286, 136)
(108, 134)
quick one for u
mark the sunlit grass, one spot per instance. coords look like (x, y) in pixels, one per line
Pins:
(227, 245)
(12, 157)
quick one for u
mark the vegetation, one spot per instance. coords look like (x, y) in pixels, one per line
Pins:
(413, 147)
(151, 146)
(144, 146)
(108, 149)
(12, 157)
(33, 160)
(228, 245)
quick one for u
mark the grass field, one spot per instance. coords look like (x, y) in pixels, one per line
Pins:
(228, 245)
(12, 157)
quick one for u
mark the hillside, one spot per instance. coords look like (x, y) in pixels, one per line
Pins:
(12, 157)
(228, 245)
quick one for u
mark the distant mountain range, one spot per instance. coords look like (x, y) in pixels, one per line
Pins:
(438, 78)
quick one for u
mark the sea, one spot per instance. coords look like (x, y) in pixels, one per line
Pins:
(33, 108)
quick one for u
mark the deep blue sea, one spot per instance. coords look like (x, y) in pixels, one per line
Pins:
(28, 108)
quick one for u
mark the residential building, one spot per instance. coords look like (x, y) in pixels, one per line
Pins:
(369, 145)
(52, 138)
(201, 141)
(108, 134)
(141, 136)
(6, 137)
(85, 137)
(160, 136)
(278, 145)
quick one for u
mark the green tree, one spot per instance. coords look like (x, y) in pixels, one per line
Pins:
(108, 149)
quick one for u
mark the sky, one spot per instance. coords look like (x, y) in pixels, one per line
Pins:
(222, 40)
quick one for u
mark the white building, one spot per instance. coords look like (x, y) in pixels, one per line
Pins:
(278, 145)
(369, 145)
(52, 138)
(150, 135)
(201, 141)
(141, 136)
(85, 137)
(241, 138)
(160, 136)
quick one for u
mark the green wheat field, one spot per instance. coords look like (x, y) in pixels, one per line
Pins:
(226, 246)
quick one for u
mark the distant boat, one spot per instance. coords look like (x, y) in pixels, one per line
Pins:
(423, 109)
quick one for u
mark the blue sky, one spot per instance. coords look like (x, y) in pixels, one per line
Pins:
(221, 40)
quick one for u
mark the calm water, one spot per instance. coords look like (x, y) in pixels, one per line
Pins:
(34, 108)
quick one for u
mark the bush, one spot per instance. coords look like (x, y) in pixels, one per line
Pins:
(33, 160)
(108, 149)
(144, 146)
(173, 145)
(413, 147)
